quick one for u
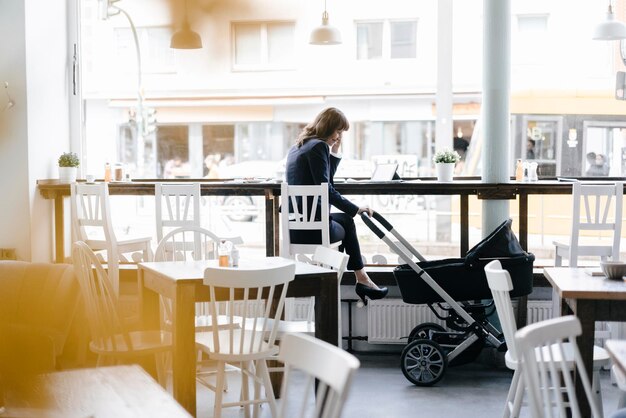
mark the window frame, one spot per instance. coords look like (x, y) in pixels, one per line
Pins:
(264, 64)
(386, 38)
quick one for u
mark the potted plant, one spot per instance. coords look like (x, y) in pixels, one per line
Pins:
(445, 161)
(68, 163)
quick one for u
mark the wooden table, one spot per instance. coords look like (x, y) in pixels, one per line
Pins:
(461, 186)
(591, 299)
(181, 281)
(115, 392)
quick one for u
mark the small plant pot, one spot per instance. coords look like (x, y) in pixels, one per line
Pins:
(67, 174)
(445, 171)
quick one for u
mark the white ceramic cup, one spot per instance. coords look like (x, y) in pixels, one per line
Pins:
(90, 178)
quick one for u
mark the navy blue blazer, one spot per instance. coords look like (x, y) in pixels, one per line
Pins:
(313, 164)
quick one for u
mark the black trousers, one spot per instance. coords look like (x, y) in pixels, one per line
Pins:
(341, 228)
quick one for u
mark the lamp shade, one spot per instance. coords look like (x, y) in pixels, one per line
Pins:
(185, 38)
(610, 29)
(325, 34)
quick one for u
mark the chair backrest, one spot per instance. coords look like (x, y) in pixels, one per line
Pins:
(255, 290)
(500, 283)
(542, 346)
(186, 244)
(190, 243)
(177, 205)
(330, 365)
(332, 259)
(304, 208)
(91, 214)
(101, 302)
(39, 297)
(593, 204)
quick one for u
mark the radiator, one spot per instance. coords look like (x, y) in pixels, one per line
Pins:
(389, 320)
(299, 309)
(538, 310)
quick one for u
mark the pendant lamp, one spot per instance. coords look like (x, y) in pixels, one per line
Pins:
(325, 34)
(610, 29)
(185, 38)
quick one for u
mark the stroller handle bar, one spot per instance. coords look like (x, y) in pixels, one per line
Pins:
(404, 250)
(375, 229)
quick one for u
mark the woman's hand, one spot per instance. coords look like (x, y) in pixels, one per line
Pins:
(336, 145)
(365, 209)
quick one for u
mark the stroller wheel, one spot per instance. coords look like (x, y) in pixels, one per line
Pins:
(424, 331)
(423, 362)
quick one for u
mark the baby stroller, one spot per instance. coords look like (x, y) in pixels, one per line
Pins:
(453, 289)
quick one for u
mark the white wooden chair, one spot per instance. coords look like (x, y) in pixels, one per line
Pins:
(109, 338)
(91, 223)
(251, 347)
(597, 209)
(299, 211)
(600, 206)
(324, 257)
(331, 366)
(500, 284)
(191, 243)
(177, 205)
(548, 348)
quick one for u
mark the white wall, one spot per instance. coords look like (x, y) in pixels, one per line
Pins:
(14, 177)
(47, 75)
(33, 39)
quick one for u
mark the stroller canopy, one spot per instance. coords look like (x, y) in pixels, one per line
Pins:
(501, 243)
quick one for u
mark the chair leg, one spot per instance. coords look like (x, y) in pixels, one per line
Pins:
(267, 383)
(558, 259)
(510, 397)
(219, 390)
(245, 387)
(596, 390)
(161, 360)
(519, 396)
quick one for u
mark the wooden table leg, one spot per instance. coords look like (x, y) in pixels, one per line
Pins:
(327, 311)
(271, 224)
(585, 311)
(148, 303)
(464, 224)
(523, 220)
(184, 353)
(59, 229)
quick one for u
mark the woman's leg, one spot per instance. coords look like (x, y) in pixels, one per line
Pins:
(343, 224)
(342, 228)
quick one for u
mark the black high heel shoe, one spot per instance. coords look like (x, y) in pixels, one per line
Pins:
(362, 291)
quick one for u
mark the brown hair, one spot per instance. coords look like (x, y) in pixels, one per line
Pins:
(325, 124)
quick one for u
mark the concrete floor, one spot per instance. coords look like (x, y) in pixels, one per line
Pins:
(380, 389)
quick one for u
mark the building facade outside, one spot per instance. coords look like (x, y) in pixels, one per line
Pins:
(246, 94)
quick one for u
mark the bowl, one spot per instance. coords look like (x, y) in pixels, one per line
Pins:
(614, 270)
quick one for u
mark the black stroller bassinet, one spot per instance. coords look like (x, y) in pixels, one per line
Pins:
(464, 278)
(455, 287)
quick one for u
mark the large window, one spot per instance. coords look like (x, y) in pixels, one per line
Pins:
(604, 149)
(530, 39)
(543, 143)
(156, 55)
(386, 39)
(263, 46)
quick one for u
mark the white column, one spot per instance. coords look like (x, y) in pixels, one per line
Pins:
(443, 127)
(444, 134)
(495, 106)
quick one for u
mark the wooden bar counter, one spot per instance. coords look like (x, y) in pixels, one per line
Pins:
(463, 187)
